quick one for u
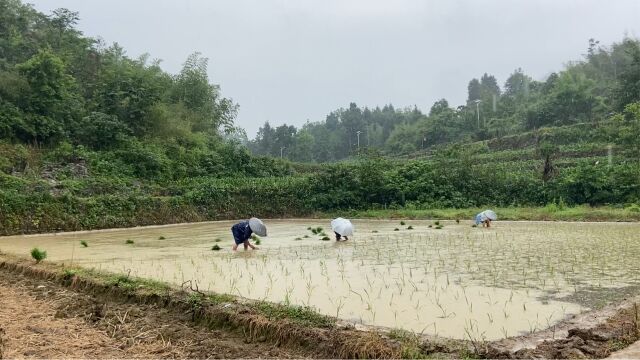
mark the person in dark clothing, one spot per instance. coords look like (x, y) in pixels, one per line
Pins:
(339, 237)
(241, 235)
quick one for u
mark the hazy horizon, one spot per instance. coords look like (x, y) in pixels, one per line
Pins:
(286, 62)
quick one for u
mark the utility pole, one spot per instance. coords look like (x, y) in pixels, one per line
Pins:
(281, 150)
(477, 101)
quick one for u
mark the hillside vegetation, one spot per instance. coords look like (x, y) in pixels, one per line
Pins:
(91, 138)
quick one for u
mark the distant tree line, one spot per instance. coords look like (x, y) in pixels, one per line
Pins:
(589, 90)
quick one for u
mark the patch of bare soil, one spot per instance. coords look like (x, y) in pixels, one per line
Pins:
(40, 319)
(595, 334)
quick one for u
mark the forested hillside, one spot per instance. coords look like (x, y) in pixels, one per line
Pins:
(590, 90)
(91, 138)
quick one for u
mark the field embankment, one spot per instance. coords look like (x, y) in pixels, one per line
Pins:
(547, 213)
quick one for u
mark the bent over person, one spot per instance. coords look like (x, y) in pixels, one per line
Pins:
(241, 235)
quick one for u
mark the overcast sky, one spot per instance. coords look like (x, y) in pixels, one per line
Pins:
(289, 61)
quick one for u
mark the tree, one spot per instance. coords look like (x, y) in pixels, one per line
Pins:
(474, 90)
(50, 100)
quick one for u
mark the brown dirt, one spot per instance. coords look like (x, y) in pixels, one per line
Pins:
(595, 334)
(40, 319)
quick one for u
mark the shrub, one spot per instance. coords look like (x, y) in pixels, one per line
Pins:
(38, 255)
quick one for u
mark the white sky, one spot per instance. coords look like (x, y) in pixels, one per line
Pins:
(289, 61)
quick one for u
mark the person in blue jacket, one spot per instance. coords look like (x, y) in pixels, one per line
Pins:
(241, 235)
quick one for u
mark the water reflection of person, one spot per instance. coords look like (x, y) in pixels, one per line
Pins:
(241, 235)
(339, 237)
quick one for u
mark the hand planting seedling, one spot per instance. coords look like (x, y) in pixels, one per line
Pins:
(84, 243)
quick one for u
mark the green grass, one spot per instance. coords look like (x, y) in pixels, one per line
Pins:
(547, 213)
(299, 314)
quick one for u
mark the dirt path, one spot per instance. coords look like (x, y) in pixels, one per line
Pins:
(39, 319)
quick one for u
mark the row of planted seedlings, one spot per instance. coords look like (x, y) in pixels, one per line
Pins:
(484, 282)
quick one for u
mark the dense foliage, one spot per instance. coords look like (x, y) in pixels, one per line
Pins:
(90, 138)
(586, 91)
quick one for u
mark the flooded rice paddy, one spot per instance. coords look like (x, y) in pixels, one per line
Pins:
(458, 281)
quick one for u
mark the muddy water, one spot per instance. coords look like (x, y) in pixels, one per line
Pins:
(458, 281)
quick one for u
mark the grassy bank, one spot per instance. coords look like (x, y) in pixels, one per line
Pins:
(547, 213)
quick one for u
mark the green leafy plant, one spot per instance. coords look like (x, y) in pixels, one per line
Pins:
(258, 241)
(396, 229)
(216, 247)
(161, 238)
(38, 255)
(129, 242)
(84, 243)
(402, 223)
(326, 238)
(410, 227)
(217, 240)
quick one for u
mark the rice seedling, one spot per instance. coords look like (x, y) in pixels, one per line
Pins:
(402, 223)
(396, 229)
(84, 243)
(216, 247)
(38, 255)
(410, 227)
(217, 240)
(129, 242)
(161, 238)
